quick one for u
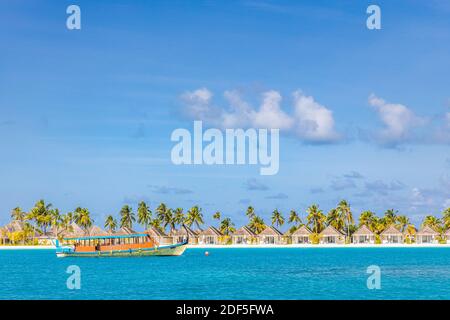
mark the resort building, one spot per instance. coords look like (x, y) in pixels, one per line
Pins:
(427, 235)
(243, 235)
(159, 236)
(209, 236)
(301, 235)
(363, 235)
(124, 231)
(270, 235)
(184, 233)
(96, 231)
(391, 235)
(9, 229)
(73, 231)
(331, 236)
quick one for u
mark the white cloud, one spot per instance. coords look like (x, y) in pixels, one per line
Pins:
(398, 120)
(314, 121)
(311, 121)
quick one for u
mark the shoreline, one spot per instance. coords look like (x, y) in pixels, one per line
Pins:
(268, 246)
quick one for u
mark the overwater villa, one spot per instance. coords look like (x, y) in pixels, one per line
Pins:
(427, 235)
(331, 236)
(363, 235)
(391, 235)
(209, 236)
(270, 235)
(158, 236)
(243, 235)
(184, 233)
(301, 235)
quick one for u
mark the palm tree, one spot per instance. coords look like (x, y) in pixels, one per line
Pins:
(315, 218)
(227, 226)
(250, 213)
(18, 214)
(390, 217)
(217, 215)
(170, 221)
(277, 218)
(403, 222)
(335, 219)
(178, 217)
(144, 214)
(194, 215)
(257, 224)
(346, 214)
(446, 218)
(432, 222)
(294, 218)
(110, 224)
(127, 217)
(41, 213)
(82, 217)
(56, 221)
(161, 211)
(367, 218)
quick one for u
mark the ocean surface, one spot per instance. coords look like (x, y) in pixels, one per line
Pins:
(279, 273)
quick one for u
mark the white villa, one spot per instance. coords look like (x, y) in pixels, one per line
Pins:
(363, 235)
(331, 236)
(301, 235)
(391, 235)
(270, 235)
(427, 235)
(243, 235)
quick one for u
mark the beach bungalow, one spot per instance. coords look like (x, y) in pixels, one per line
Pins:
(96, 231)
(331, 236)
(270, 235)
(427, 235)
(159, 236)
(124, 231)
(363, 235)
(209, 236)
(9, 229)
(301, 235)
(184, 233)
(391, 235)
(243, 235)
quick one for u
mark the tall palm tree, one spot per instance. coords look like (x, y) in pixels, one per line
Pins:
(110, 224)
(161, 211)
(335, 219)
(446, 218)
(367, 218)
(315, 218)
(403, 222)
(169, 220)
(346, 213)
(18, 214)
(277, 218)
(127, 217)
(295, 218)
(178, 216)
(144, 214)
(56, 221)
(227, 226)
(257, 224)
(390, 216)
(250, 213)
(432, 222)
(82, 217)
(217, 215)
(41, 213)
(194, 215)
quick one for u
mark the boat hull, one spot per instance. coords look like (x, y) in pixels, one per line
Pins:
(169, 250)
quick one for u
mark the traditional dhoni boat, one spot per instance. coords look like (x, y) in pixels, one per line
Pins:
(137, 244)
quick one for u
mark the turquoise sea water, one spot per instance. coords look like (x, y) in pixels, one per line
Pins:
(291, 273)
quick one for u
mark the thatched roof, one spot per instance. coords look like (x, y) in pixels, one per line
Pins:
(331, 231)
(427, 231)
(270, 231)
(244, 231)
(73, 231)
(96, 231)
(391, 230)
(155, 232)
(14, 226)
(183, 231)
(302, 231)
(363, 231)
(211, 231)
(124, 231)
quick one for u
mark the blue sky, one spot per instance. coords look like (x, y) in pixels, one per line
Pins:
(86, 115)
